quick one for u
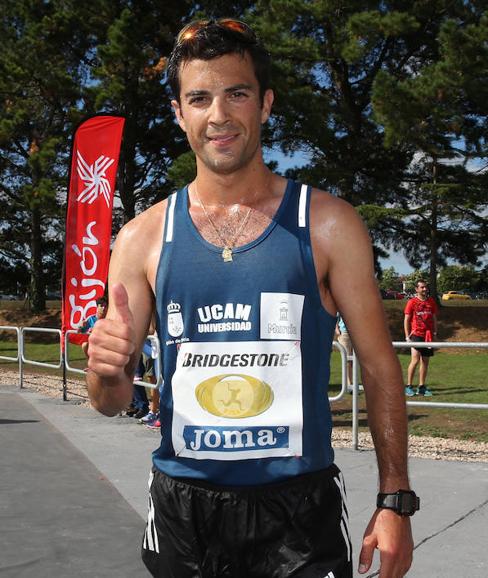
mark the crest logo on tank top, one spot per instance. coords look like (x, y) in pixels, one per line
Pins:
(281, 316)
(234, 396)
(175, 319)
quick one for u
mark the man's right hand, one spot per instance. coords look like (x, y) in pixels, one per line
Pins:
(112, 340)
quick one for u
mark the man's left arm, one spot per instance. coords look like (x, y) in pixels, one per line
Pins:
(353, 287)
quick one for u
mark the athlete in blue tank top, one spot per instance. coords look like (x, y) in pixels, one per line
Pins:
(247, 271)
(246, 357)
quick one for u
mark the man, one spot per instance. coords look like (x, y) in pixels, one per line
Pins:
(246, 288)
(89, 323)
(420, 325)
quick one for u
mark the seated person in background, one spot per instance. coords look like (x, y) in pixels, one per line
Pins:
(344, 339)
(89, 322)
(146, 369)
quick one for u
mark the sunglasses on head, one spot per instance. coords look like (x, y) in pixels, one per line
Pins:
(189, 32)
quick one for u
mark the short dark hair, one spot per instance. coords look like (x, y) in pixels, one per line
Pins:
(421, 281)
(209, 39)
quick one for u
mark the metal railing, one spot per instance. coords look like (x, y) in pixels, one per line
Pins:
(64, 361)
(57, 332)
(66, 352)
(18, 357)
(344, 359)
(435, 404)
(445, 345)
(17, 331)
(156, 355)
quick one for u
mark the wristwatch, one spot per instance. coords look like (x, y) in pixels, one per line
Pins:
(403, 502)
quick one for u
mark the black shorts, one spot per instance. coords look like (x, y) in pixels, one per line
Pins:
(295, 528)
(424, 351)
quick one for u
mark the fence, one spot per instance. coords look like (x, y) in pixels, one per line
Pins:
(156, 355)
(408, 344)
(18, 357)
(64, 362)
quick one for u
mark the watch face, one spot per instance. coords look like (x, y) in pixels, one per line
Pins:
(403, 502)
(408, 503)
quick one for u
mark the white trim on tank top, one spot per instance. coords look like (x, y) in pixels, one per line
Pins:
(171, 218)
(302, 207)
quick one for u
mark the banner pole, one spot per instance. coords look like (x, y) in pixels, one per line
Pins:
(63, 365)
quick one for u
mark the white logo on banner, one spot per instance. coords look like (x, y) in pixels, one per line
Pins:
(281, 316)
(87, 279)
(94, 179)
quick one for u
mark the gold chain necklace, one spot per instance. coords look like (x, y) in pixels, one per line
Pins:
(228, 246)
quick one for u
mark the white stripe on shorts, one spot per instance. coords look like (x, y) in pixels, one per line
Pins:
(151, 541)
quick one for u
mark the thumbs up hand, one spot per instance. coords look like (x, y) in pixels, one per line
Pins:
(112, 340)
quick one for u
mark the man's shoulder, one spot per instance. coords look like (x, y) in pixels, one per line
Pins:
(141, 238)
(146, 222)
(327, 208)
(411, 303)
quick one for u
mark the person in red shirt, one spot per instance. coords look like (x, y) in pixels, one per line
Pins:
(420, 324)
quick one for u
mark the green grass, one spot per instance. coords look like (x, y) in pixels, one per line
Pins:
(22, 304)
(42, 352)
(453, 378)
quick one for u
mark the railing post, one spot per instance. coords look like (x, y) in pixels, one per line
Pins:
(355, 405)
(20, 347)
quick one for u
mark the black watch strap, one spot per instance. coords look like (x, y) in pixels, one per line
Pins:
(403, 502)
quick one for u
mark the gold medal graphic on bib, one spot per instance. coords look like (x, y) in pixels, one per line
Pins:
(234, 395)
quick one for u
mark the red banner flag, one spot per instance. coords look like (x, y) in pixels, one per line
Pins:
(94, 162)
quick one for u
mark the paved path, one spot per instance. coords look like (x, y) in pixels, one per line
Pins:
(73, 497)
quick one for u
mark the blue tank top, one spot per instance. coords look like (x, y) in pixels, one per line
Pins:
(246, 352)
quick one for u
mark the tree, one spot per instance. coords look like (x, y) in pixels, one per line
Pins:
(390, 279)
(134, 41)
(346, 76)
(439, 113)
(183, 170)
(413, 278)
(39, 88)
(482, 284)
(458, 278)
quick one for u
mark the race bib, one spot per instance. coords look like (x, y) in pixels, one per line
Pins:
(238, 400)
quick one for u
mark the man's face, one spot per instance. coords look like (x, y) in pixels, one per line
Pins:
(421, 290)
(100, 311)
(221, 112)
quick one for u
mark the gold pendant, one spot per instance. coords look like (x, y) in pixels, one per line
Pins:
(227, 254)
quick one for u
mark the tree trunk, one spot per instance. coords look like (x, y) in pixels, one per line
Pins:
(37, 294)
(127, 174)
(434, 242)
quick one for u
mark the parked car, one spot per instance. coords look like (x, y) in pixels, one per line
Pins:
(8, 298)
(391, 294)
(454, 295)
(56, 296)
(479, 295)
